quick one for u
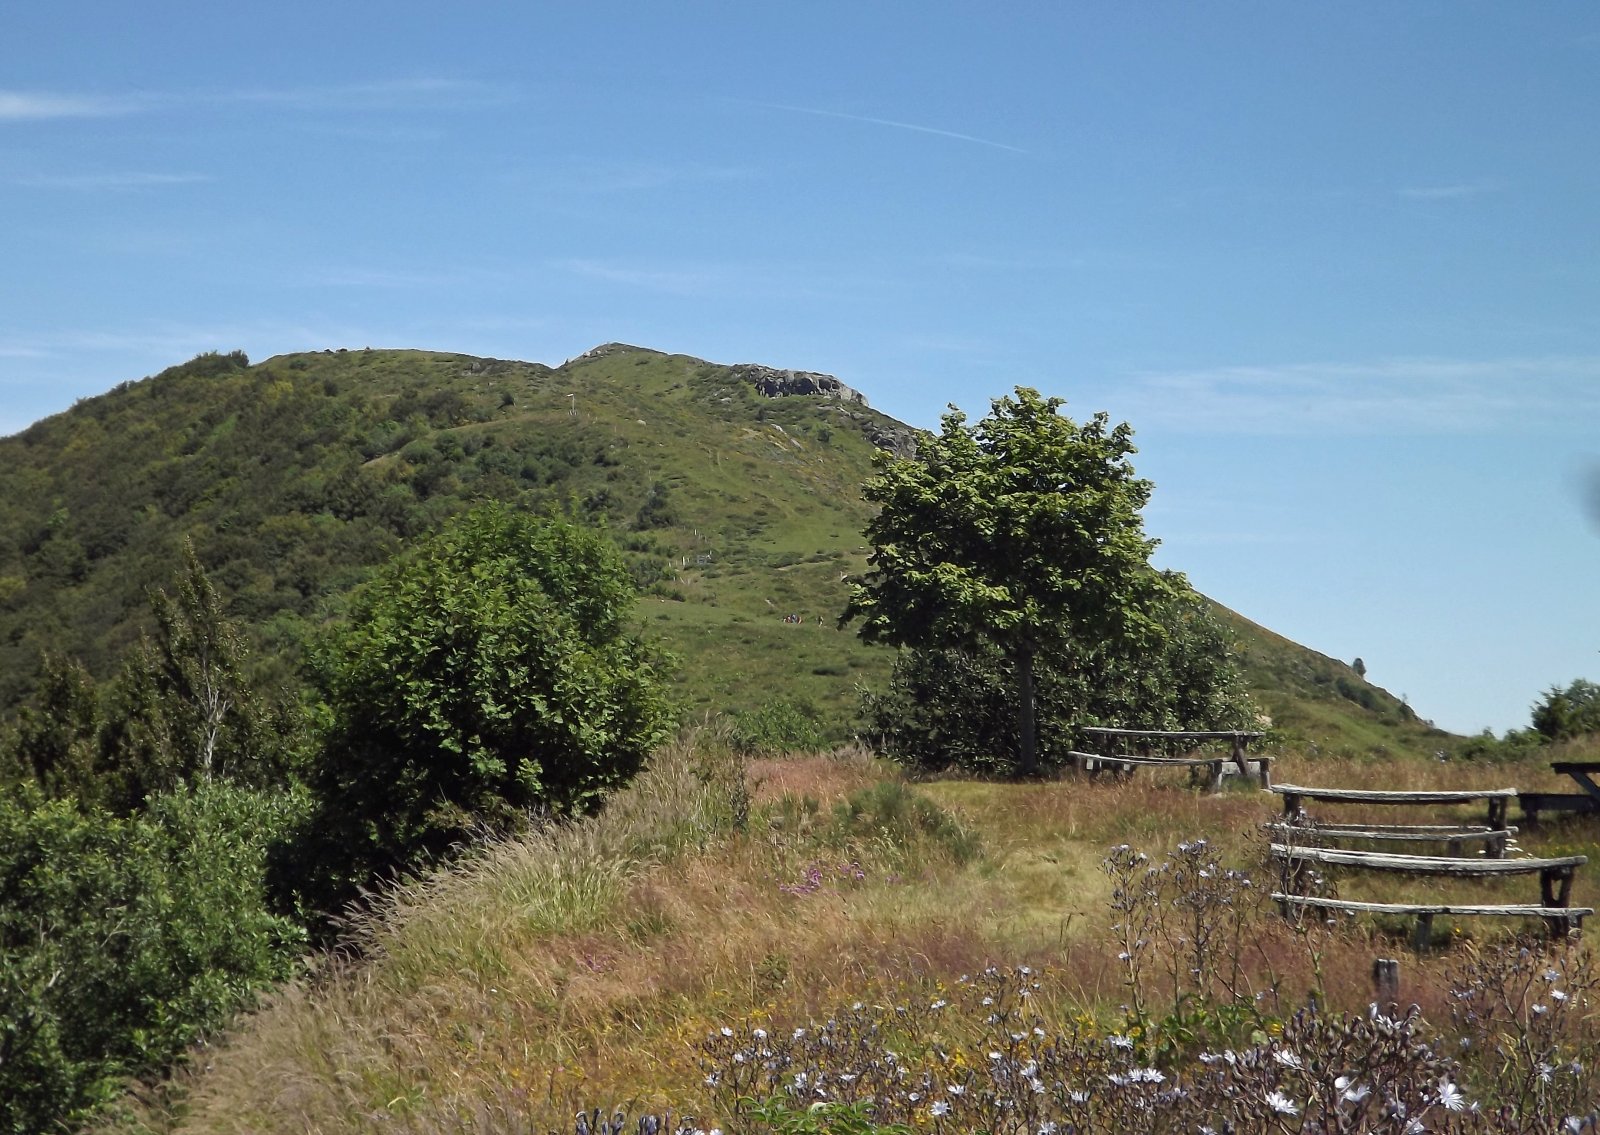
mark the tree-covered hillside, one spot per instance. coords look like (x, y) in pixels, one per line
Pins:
(738, 503)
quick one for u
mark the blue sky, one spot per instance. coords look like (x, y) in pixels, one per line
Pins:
(1338, 264)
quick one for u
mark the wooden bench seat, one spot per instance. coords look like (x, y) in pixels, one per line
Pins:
(1454, 836)
(1126, 762)
(1497, 799)
(1532, 803)
(1559, 919)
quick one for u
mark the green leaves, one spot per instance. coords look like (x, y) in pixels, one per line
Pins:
(1020, 535)
(488, 674)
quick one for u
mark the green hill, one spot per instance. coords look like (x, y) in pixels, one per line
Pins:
(734, 489)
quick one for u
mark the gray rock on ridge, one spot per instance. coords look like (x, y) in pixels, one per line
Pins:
(774, 383)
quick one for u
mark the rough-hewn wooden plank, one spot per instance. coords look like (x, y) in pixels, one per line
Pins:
(1444, 830)
(1526, 911)
(1420, 833)
(1133, 759)
(1425, 864)
(1173, 734)
(1570, 767)
(1381, 796)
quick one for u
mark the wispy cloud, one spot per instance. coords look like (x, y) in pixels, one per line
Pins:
(393, 94)
(121, 180)
(674, 281)
(383, 278)
(31, 106)
(1449, 192)
(383, 95)
(1391, 396)
(889, 122)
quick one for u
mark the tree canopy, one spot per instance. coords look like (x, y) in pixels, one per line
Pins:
(1019, 535)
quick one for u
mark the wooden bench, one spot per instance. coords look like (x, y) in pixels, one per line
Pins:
(1555, 885)
(1497, 799)
(1587, 801)
(1454, 836)
(1146, 740)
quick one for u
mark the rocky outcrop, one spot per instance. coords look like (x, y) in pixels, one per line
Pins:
(775, 383)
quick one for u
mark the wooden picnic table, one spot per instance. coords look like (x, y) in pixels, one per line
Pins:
(1586, 801)
(1147, 740)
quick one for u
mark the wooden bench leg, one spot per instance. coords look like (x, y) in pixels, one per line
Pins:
(1422, 937)
(1555, 886)
(1216, 777)
(1264, 772)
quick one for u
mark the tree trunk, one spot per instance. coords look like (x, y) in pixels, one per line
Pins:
(1028, 759)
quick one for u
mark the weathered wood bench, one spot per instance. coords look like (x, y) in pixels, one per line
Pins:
(1146, 740)
(1587, 801)
(1496, 799)
(1453, 836)
(1555, 885)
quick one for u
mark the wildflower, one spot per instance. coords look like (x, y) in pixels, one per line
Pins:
(1349, 1093)
(759, 1034)
(714, 1079)
(987, 1001)
(1557, 995)
(1540, 1010)
(1288, 1059)
(726, 1031)
(939, 1004)
(1545, 1072)
(1116, 1040)
(995, 1056)
(1048, 1127)
(798, 1033)
(1550, 975)
(956, 1089)
(1281, 1103)
(1124, 956)
(1450, 1096)
(857, 1007)
(939, 1108)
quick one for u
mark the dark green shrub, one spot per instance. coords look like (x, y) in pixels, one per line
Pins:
(491, 672)
(124, 940)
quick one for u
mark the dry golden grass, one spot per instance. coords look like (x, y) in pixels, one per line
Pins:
(580, 965)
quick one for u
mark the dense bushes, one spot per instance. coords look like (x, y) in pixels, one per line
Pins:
(123, 940)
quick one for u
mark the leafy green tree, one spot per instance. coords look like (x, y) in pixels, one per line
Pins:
(491, 672)
(958, 706)
(56, 739)
(1019, 534)
(183, 709)
(1570, 712)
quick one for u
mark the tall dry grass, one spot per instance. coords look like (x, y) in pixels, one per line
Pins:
(583, 964)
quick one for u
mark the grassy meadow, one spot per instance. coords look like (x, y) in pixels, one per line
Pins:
(972, 930)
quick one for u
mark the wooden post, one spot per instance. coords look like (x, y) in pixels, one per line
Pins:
(1216, 776)
(1423, 938)
(1385, 980)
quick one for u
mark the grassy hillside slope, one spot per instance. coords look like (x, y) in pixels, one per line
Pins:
(297, 475)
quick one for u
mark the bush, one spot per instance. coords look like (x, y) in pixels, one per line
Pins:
(123, 941)
(490, 673)
(776, 728)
